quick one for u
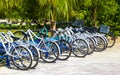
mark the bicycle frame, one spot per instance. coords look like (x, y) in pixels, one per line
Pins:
(41, 42)
(7, 48)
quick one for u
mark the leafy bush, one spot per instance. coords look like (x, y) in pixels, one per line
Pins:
(2, 26)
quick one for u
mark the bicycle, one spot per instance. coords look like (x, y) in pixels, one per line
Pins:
(20, 56)
(33, 49)
(65, 47)
(79, 46)
(49, 51)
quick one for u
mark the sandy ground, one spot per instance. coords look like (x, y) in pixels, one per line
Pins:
(99, 63)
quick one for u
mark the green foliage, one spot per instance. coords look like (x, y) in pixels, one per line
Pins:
(92, 11)
(3, 26)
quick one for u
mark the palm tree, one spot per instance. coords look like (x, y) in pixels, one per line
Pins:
(7, 6)
(54, 9)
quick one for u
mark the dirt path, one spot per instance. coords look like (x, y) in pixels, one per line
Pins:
(99, 63)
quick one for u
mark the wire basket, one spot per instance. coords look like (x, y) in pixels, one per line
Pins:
(104, 29)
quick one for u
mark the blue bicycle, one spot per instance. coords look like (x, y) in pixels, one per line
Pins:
(20, 56)
(48, 50)
(65, 47)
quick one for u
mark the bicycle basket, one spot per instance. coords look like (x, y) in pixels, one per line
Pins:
(104, 29)
(78, 23)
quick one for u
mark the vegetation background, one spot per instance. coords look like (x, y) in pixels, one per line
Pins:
(93, 12)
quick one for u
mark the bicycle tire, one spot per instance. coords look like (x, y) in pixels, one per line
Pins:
(91, 45)
(20, 34)
(49, 56)
(65, 49)
(78, 46)
(111, 39)
(35, 53)
(100, 44)
(21, 65)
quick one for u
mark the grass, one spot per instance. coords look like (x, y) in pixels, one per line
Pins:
(5, 30)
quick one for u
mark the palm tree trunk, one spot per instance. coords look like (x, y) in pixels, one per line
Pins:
(53, 23)
(94, 16)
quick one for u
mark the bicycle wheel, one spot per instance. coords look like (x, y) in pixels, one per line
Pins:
(65, 50)
(91, 45)
(35, 54)
(49, 52)
(100, 44)
(80, 48)
(111, 39)
(21, 58)
(19, 34)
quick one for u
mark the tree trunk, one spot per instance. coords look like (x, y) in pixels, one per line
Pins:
(94, 16)
(53, 25)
